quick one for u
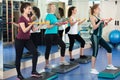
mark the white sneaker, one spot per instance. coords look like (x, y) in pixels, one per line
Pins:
(111, 67)
(64, 63)
(94, 71)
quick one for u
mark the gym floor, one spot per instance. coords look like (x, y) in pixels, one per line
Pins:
(81, 73)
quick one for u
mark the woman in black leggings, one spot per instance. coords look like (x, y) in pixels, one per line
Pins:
(97, 39)
(51, 34)
(61, 17)
(73, 32)
(23, 40)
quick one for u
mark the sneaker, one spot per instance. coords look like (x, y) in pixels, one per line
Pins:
(72, 59)
(111, 67)
(20, 77)
(83, 56)
(64, 63)
(94, 71)
(36, 74)
(48, 66)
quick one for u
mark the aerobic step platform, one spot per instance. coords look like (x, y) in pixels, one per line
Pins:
(109, 73)
(65, 68)
(46, 76)
(84, 59)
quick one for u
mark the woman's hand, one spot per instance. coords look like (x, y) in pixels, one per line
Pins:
(78, 20)
(62, 23)
(106, 21)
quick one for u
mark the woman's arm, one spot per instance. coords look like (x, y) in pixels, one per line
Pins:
(93, 22)
(106, 21)
(15, 24)
(71, 21)
(36, 28)
(81, 21)
(25, 29)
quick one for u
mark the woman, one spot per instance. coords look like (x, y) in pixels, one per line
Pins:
(97, 39)
(51, 34)
(35, 17)
(61, 17)
(23, 40)
(73, 32)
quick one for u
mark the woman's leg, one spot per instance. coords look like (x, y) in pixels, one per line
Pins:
(34, 38)
(81, 40)
(105, 45)
(60, 33)
(48, 39)
(62, 47)
(62, 51)
(31, 47)
(95, 46)
(71, 40)
(19, 45)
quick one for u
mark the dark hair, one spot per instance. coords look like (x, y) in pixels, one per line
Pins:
(24, 5)
(70, 10)
(93, 8)
(37, 11)
(61, 12)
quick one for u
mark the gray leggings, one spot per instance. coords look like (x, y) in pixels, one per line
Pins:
(96, 40)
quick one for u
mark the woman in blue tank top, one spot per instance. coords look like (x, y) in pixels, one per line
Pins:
(51, 34)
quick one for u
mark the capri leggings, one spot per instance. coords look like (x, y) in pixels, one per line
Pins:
(49, 40)
(96, 40)
(72, 39)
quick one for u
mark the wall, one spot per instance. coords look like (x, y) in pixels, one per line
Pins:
(108, 11)
(82, 7)
(0, 1)
(42, 4)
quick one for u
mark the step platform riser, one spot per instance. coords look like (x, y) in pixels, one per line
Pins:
(109, 73)
(65, 69)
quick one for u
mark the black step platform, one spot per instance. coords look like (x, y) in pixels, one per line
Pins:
(46, 76)
(28, 55)
(84, 59)
(65, 68)
(109, 73)
(10, 66)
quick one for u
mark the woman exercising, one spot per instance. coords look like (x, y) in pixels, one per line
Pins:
(51, 34)
(23, 40)
(35, 17)
(97, 39)
(61, 17)
(73, 32)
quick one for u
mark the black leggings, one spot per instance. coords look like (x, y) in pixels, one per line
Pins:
(49, 40)
(60, 33)
(72, 39)
(35, 38)
(19, 46)
(95, 44)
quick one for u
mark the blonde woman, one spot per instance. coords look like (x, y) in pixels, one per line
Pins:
(51, 34)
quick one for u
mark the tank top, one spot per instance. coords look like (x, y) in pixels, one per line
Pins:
(35, 25)
(98, 31)
(73, 28)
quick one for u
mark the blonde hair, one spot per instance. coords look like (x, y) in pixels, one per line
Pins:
(49, 6)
